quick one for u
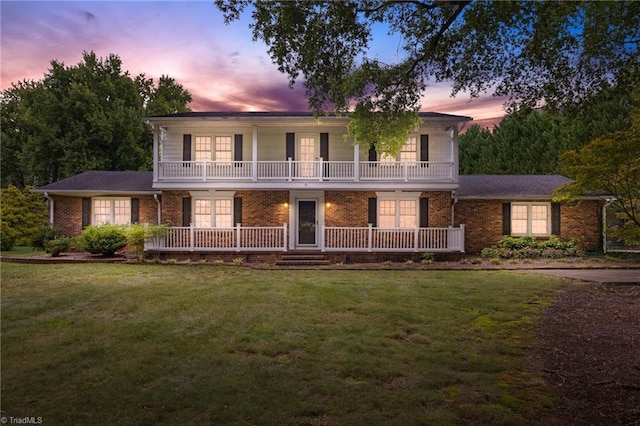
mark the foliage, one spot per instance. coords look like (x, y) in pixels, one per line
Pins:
(102, 239)
(531, 52)
(609, 166)
(528, 247)
(79, 118)
(44, 235)
(58, 245)
(137, 235)
(23, 213)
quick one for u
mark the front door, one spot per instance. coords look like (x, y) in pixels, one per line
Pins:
(307, 222)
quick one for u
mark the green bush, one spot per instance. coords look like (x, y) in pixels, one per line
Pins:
(44, 235)
(138, 234)
(56, 246)
(104, 239)
(528, 248)
(23, 213)
(8, 236)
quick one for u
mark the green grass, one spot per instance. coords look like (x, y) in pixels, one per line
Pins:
(151, 344)
(22, 251)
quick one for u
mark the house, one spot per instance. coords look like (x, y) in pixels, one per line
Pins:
(267, 183)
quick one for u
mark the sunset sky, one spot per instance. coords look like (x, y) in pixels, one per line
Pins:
(220, 65)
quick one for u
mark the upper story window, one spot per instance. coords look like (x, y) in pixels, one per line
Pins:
(218, 148)
(202, 148)
(530, 219)
(113, 211)
(223, 148)
(408, 153)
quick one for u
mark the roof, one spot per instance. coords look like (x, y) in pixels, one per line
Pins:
(283, 114)
(509, 186)
(103, 182)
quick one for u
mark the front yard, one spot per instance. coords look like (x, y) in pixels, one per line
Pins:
(149, 344)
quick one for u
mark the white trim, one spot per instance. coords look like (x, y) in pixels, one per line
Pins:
(294, 197)
(529, 218)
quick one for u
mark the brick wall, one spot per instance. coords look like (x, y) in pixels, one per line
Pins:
(483, 223)
(172, 207)
(347, 208)
(68, 212)
(264, 208)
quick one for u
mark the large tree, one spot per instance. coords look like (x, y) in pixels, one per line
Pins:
(530, 51)
(82, 117)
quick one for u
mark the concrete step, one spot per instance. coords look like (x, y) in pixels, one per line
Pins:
(299, 259)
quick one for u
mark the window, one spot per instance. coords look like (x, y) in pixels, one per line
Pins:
(213, 213)
(408, 153)
(223, 148)
(203, 148)
(114, 211)
(530, 218)
(395, 212)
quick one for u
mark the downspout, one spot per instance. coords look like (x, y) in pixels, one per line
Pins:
(51, 205)
(155, 197)
(604, 223)
(453, 208)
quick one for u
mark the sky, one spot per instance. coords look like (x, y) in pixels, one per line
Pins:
(220, 65)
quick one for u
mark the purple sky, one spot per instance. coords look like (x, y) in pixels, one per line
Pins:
(222, 68)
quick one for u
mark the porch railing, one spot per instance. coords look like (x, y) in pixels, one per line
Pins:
(291, 170)
(276, 238)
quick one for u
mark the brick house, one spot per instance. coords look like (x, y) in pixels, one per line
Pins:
(274, 182)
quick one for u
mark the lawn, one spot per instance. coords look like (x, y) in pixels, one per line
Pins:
(173, 344)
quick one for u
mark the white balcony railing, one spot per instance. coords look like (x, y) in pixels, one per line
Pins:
(275, 238)
(348, 171)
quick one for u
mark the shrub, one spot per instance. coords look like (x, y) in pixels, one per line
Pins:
(137, 235)
(44, 235)
(56, 246)
(104, 239)
(8, 236)
(528, 248)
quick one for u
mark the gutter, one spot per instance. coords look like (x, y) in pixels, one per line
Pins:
(155, 197)
(51, 207)
(604, 223)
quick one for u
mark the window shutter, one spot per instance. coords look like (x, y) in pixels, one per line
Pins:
(506, 218)
(424, 147)
(424, 212)
(186, 147)
(186, 211)
(324, 146)
(237, 148)
(555, 219)
(373, 212)
(237, 210)
(86, 212)
(135, 210)
(290, 149)
(373, 155)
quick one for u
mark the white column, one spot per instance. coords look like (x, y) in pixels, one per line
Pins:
(254, 154)
(156, 150)
(356, 162)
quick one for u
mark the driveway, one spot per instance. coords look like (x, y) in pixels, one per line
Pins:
(610, 276)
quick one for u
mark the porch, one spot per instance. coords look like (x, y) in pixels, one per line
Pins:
(330, 239)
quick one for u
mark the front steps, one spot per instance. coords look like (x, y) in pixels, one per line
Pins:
(302, 260)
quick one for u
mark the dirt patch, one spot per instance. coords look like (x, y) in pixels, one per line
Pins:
(590, 350)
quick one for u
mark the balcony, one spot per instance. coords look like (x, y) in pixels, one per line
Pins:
(305, 171)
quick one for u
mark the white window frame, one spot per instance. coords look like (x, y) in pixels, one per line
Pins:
(112, 210)
(404, 155)
(214, 198)
(202, 154)
(217, 153)
(213, 153)
(529, 219)
(397, 198)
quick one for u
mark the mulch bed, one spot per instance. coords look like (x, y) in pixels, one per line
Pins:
(590, 350)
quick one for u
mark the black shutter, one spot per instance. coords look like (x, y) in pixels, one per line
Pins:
(291, 143)
(86, 212)
(186, 147)
(237, 149)
(135, 210)
(186, 211)
(506, 218)
(424, 212)
(237, 210)
(555, 219)
(424, 147)
(373, 155)
(324, 146)
(373, 211)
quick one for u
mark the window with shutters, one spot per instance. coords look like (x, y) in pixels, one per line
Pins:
(408, 153)
(397, 211)
(530, 219)
(223, 148)
(113, 211)
(202, 150)
(213, 212)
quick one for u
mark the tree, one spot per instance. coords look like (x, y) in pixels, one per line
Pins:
(22, 214)
(79, 118)
(609, 164)
(531, 51)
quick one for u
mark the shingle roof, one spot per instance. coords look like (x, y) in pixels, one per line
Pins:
(509, 186)
(283, 114)
(102, 181)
